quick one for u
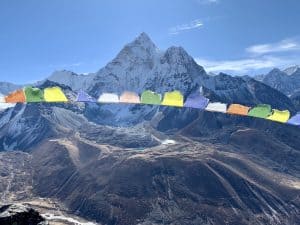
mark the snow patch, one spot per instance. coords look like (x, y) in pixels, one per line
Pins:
(50, 216)
(168, 142)
(4, 106)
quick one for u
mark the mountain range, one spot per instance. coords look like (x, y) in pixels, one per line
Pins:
(287, 81)
(141, 164)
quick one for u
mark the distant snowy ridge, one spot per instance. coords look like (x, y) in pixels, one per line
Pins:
(73, 80)
(6, 87)
(291, 70)
(287, 81)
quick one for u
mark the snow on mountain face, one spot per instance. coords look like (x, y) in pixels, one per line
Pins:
(291, 70)
(71, 79)
(141, 65)
(21, 127)
(177, 71)
(4, 105)
(278, 80)
(2, 98)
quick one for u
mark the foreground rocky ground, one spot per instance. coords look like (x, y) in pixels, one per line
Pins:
(183, 181)
(213, 169)
(20, 214)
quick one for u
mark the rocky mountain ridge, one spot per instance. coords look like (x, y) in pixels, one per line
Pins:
(287, 81)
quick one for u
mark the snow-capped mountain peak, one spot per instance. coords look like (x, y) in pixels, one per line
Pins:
(145, 41)
(291, 70)
(177, 55)
(140, 65)
(141, 49)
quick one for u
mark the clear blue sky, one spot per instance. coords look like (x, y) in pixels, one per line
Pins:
(237, 36)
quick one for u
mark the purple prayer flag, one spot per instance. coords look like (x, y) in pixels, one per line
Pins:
(84, 97)
(295, 120)
(196, 100)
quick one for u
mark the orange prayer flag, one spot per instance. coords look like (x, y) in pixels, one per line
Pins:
(15, 97)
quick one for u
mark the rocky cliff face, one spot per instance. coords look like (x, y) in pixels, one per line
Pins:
(21, 215)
